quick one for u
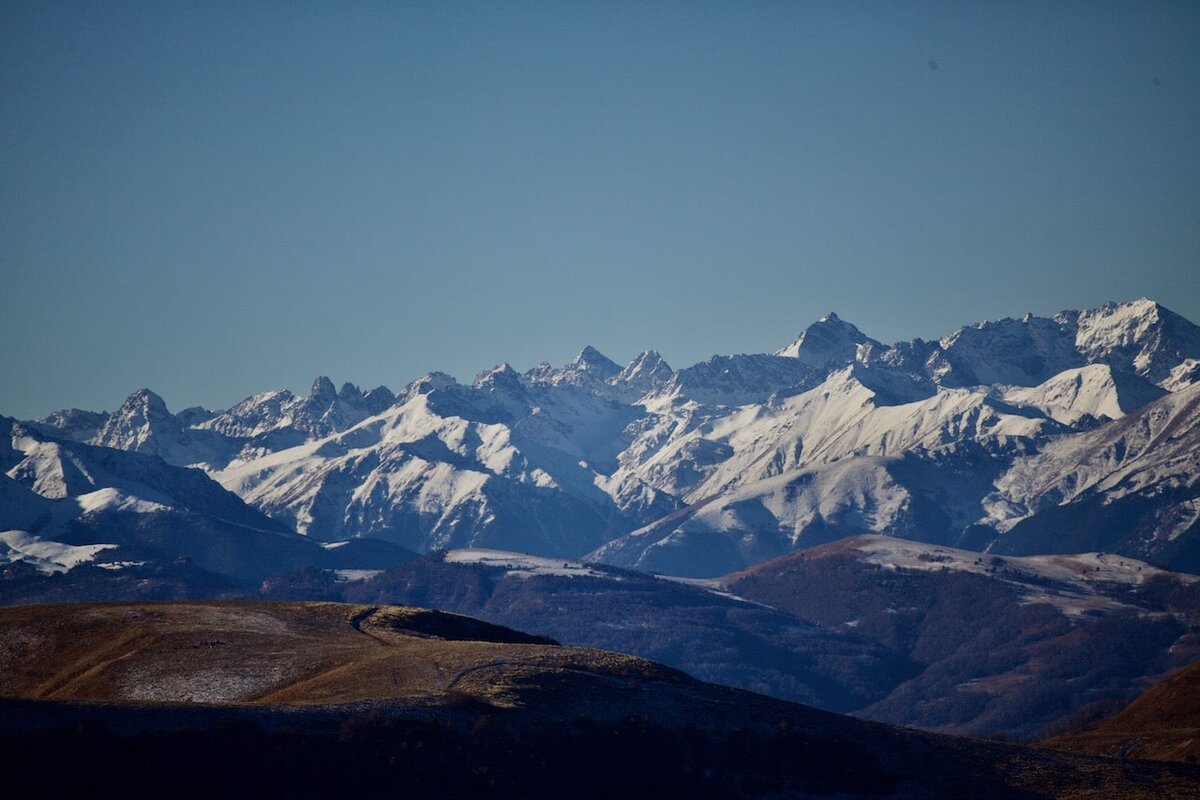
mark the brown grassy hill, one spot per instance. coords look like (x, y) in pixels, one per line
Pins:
(1162, 724)
(323, 699)
(254, 653)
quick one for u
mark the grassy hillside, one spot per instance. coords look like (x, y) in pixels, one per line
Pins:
(1162, 724)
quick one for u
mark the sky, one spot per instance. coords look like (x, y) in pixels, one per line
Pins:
(216, 199)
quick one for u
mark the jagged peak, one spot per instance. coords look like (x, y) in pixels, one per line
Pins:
(501, 373)
(647, 372)
(647, 359)
(350, 393)
(322, 387)
(589, 366)
(380, 392)
(144, 399)
(138, 424)
(592, 359)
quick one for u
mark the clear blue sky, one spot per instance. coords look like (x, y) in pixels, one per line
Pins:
(214, 199)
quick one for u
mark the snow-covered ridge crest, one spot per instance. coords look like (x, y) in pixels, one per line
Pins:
(1070, 582)
(522, 565)
(323, 411)
(1096, 390)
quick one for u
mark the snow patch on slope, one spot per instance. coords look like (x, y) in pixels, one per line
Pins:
(523, 565)
(47, 556)
(1068, 582)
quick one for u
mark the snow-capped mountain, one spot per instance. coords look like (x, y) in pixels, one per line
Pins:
(1131, 486)
(974, 440)
(66, 504)
(916, 439)
(144, 425)
(1140, 338)
(504, 460)
(828, 343)
(832, 461)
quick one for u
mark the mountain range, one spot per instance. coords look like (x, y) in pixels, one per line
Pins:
(990, 533)
(1071, 433)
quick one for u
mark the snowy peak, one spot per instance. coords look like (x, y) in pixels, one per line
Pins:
(255, 415)
(595, 362)
(646, 373)
(963, 440)
(142, 424)
(373, 401)
(828, 343)
(498, 394)
(646, 363)
(1141, 336)
(194, 415)
(591, 369)
(501, 376)
(146, 403)
(349, 393)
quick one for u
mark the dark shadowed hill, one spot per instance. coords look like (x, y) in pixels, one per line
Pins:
(315, 700)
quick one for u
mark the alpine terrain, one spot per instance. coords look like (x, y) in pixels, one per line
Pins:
(1071, 433)
(997, 532)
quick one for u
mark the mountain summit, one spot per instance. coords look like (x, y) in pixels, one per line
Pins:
(829, 342)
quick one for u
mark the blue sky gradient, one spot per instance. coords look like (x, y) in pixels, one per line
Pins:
(222, 198)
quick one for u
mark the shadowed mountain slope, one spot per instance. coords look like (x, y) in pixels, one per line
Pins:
(1003, 644)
